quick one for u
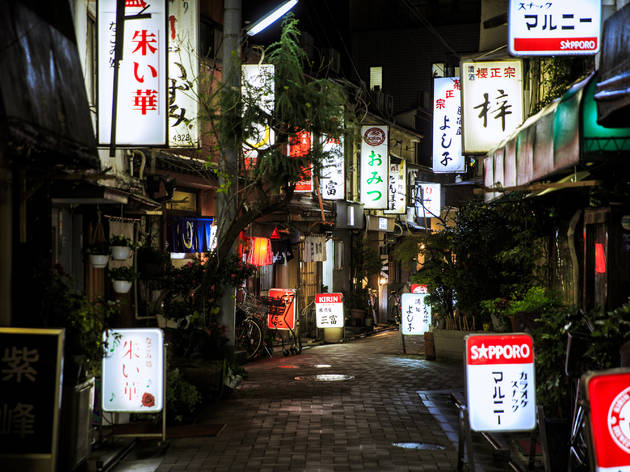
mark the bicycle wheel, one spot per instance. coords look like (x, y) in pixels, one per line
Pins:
(248, 337)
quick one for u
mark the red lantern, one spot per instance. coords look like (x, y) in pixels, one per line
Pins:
(260, 253)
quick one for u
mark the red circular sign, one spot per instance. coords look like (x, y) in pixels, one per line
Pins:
(374, 136)
(619, 420)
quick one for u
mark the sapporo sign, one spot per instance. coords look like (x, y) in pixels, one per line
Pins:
(554, 27)
(133, 370)
(500, 387)
(329, 310)
(30, 391)
(608, 396)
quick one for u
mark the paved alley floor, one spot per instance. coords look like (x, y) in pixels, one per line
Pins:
(284, 417)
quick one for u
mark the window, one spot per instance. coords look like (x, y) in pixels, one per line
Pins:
(183, 201)
(376, 78)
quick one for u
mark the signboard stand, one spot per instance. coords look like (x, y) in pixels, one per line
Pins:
(465, 440)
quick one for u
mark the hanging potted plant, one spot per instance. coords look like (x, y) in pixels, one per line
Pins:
(98, 254)
(122, 278)
(121, 247)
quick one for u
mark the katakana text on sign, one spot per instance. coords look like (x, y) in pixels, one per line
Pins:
(500, 387)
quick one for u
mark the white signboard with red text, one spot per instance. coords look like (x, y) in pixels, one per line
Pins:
(416, 314)
(447, 125)
(329, 310)
(554, 27)
(608, 394)
(374, 167)
(500, 387)
(133, 370)
(428, 200)
(493, 102)
(142, 106)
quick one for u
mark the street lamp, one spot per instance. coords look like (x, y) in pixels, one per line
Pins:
(270, 17)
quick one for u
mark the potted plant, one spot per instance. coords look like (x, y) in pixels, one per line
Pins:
(122, 278)
(98, 254)
(121, 247)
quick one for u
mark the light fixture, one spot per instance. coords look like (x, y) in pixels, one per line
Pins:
(270, 17)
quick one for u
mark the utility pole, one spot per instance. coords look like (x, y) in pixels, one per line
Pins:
(227, 200)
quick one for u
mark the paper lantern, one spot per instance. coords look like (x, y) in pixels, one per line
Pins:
(260, 252)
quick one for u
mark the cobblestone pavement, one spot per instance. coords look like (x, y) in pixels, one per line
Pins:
(275, 422)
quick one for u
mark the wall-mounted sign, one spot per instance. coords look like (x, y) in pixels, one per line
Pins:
(416, 314)
(493, 102)
(374, 167)
(281, 311)
(299, 146)
(397, 188)
(608, 395)
(447, 125)
(554, 27)
(500, 386)
(31, 361)
(133, 370)
(329, 310)
(183, 71)
(428, 200)
(257, 84)
(332, 176)
(142, 106)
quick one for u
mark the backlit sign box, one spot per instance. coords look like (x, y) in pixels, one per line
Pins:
(493, 102)
(374, 167)
(554, 27)
(332, 175)
(447, 125)
(608, 395)
(397, 188)
(142, 106)
(133, 370)
(257, 83)
(428, 200)
(416, 314)
(281, 312)
(329, 310)
(500, 387)
(300, 145)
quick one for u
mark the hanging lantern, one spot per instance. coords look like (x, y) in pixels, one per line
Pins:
(260, 252)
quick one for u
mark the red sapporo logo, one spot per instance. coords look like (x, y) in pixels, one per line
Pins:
(374, 136)
(618, 424)
(148, 400)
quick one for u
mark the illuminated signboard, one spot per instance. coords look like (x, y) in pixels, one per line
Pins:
(183, 70)
(329, 310)
(447, 125)
(257, 83)
(554, 27)
(281, 312)
(397, 188)
(608, 395)
(299, 146)
(500, 387)
(428, 200)
(142, 106)
(493, 102)
(416, 314)
(374, 167)
(133, 370)
(332, 176)
(418, 288)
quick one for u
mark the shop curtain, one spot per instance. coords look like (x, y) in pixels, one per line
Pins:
(315, 248)
(187, 234)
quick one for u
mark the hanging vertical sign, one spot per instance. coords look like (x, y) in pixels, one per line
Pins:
(299, 146)
(183, 71)
(416, 314)
(493, 102)
(554, 27)
(329, 310)
(447, 125)
(332, 176)
(133, 370)
(281, 310)
(142, 105)
(608, 396)
(374, 167)
(257, 84)
(428, 200)
(500, 387)
(397, 188)
(31, 363)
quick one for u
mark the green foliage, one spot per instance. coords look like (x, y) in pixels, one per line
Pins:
(122, 273)
(557, 74)
(120, 240)
(98, 248)
(182, 397)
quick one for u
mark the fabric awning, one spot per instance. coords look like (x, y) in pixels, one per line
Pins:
(560, 137)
